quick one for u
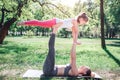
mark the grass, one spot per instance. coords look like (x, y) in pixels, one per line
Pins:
(18, 54)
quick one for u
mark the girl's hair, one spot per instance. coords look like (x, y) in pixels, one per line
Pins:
(82, 15)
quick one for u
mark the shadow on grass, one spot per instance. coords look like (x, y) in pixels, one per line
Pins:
(115, 44)
(71, 78)
(2, 77)
(112, 38)
(67, 78)
(7, 48)
(12, 53)
(112, 56)
(46, 78)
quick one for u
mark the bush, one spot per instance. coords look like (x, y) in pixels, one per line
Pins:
(29, 34)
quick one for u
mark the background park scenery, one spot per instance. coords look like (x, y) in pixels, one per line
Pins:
(23, 48)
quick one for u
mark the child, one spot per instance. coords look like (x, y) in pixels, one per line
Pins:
(71, 24)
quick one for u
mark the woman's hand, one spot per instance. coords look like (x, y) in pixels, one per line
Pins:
(55, 30)
(77, 43)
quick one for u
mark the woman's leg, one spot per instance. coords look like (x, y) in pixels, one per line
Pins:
(49, 63)
(45, 24)
(48, 67)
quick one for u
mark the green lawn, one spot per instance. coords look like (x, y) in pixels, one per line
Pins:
(18, 54)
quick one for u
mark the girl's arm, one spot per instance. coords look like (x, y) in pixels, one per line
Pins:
(75, 32)
(74, 70)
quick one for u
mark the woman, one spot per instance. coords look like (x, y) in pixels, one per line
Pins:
(71, 24)
(50, 69)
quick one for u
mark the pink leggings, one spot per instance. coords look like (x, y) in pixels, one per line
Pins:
(45, 24)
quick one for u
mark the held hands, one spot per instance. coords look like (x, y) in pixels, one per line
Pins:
(55, 30)
(77, 43)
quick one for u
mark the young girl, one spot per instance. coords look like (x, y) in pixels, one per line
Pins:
(71, 24)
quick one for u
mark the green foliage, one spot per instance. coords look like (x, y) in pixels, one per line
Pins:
(112, 11)
(11, 7)
(64, 33)
(29, 34)
(34, 10)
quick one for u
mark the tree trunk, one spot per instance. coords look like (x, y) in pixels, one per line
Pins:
(43, 32)
(3, 33)
(4, 29)
(66, 35)
(21, 33)
(102, 25)
(110, 33)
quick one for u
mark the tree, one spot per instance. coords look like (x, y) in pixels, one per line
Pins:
(112, 10)
(102, 25)
(10, 12)
(50, 10)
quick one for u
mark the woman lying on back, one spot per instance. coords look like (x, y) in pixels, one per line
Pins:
(50, 69)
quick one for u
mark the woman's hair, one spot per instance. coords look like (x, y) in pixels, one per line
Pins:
(88, 72)
(82, 15)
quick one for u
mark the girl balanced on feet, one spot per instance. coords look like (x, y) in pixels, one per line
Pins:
(71, 24)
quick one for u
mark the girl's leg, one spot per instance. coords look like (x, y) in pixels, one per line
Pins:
(49, 63)
(46, 24)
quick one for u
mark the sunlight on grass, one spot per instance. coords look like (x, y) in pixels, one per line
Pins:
(21, 53)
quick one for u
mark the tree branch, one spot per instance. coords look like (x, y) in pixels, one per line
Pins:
(20, 5)
(10, 22)
(5, 10)
(46, 3)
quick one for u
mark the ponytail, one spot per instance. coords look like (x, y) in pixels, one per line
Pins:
(82, 15)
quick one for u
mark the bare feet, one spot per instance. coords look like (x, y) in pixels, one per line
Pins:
(55, 30)
(55, 27)
(20, 23)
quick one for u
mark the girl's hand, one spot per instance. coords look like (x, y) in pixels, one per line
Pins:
(55, 30)
(78, 43)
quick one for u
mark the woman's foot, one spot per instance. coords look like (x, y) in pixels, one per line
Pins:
(55, 27)
(55, 30)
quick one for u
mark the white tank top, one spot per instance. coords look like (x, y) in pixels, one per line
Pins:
(67, 23)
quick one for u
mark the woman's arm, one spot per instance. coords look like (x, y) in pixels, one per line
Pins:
(74, 34)
(74, 69)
